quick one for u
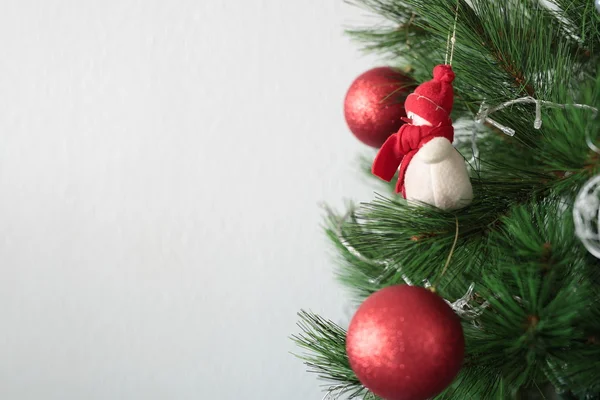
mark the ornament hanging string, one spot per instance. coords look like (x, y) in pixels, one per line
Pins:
(433, 288)
(452, 39)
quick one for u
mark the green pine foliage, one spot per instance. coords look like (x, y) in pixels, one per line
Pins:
(516, 240)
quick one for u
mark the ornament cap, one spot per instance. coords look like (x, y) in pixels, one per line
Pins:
(443, 73)
(433, 100)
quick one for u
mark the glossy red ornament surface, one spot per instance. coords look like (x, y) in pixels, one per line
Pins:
(405, 343)
(374, 104)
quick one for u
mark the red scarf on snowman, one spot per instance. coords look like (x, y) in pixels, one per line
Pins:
(431, 101)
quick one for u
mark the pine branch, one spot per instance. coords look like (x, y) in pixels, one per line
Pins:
(326, 344)
(582, 23)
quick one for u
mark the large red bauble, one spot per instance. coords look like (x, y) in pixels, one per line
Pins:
(405, 343)
(374, 104)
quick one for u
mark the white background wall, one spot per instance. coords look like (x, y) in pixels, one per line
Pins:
(161, 165)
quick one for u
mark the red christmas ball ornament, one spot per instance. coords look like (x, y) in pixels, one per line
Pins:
(405, 343)
(374, 104)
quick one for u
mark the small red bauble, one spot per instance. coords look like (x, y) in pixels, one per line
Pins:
(374, 104)
(405, 343)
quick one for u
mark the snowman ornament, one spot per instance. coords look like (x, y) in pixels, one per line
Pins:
(431, 170)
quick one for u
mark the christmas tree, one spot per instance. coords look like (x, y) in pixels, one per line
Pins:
(478, 279)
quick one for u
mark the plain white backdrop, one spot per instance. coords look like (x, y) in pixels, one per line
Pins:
(161, 166)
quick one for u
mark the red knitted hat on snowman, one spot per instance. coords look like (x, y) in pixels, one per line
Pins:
(433, 100)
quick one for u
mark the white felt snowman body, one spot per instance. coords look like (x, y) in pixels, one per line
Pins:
(437, 174)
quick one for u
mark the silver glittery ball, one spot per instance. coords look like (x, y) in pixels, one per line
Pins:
(597, 3)
(586, 215)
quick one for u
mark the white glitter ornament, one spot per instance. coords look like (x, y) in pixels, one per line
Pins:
(586, 213)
